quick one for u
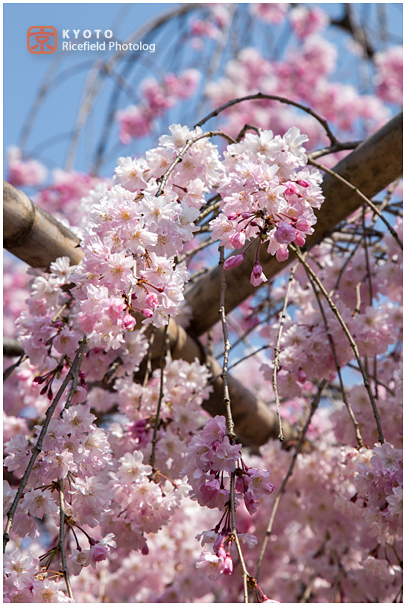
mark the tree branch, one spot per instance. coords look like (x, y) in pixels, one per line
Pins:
(371, 167)
(34, 236)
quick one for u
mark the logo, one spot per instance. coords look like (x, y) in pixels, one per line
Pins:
(41, 40)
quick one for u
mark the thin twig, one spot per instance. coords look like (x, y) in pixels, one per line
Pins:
(318, 153)
(191, 253)
(245, 128)
(213, 204)
(367, 201)
(79, 359)
(61, 543)
(38, 446)
(234, 533)
(229, 419)
(227, 347)
(278, 350)
(354, 421)
(347, 333)
(250, 355)
(12, 368)
(258, 96)
(313, 408)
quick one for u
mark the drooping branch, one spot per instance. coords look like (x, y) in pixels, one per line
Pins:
(371, 167)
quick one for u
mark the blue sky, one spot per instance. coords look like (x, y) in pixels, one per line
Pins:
(24, 72)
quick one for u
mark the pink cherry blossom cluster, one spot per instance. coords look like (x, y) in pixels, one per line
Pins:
(23, 583)
(23, 172)
(63, 197)
(380, 483)
(275, 12)
(185, 388)
(211, 461)
(133, 235)
(213, 24)
(210, 457)
(268, 195)
(306, 351)
(307, 21)
(304, 75)
(136, 121)
(76, 451)
(389, 79)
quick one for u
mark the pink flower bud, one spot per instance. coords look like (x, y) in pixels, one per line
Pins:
(257, 270)
(128, 322)
(303, 225)
(257, 275)
(291, 189)
(282, 254)
(145, 550)
(303, 183)
(238, 240)
(147, 313)
(300, 240)
(232, 216)
(99, 552)
(233, 261)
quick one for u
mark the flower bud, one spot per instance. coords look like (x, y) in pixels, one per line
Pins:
(300, 239)
(282, 254)
(238, 239)
(147, 313)
(128, 322)
(233, 261)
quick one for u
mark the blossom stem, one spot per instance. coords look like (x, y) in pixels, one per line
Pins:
(354, 421)
(79, 359)
(229, 419)
(278, 350)
(61, 543)
(227, 347)
(322, 121)
(234, 533)
(38, 446)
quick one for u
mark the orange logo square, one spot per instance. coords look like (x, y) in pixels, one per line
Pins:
(41, 40)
